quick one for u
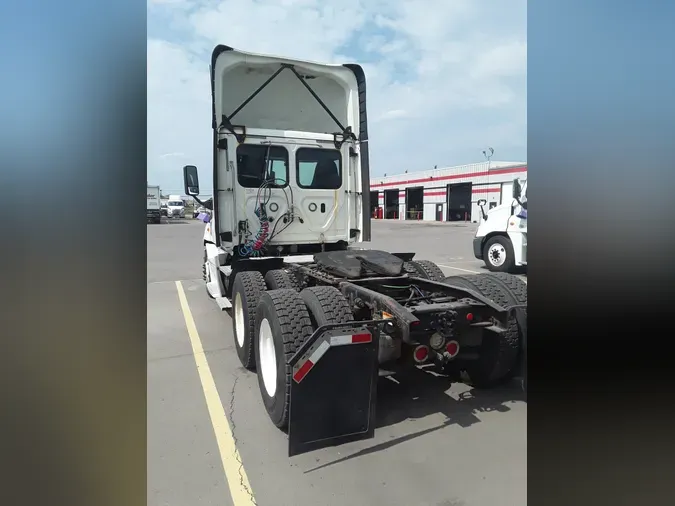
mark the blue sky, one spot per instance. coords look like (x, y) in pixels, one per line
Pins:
(445, 79)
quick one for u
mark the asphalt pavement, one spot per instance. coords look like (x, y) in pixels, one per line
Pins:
(210, 441)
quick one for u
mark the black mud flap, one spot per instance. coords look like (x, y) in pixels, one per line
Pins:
(334, 387)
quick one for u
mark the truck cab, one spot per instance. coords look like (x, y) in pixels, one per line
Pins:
(501, 237)
(290, 160)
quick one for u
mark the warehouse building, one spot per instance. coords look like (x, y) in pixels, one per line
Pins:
(445, 194)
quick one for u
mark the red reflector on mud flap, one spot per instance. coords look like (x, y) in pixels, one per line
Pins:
(302, 372)
(339, 340)
(361, 338)
(310, 361)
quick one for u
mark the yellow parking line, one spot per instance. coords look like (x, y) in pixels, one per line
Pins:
(240, 488)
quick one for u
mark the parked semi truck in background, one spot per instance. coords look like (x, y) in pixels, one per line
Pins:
(154, 204)
(501, 237)
(175, 207)
(316, 316)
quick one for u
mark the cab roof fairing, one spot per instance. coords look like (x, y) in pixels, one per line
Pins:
(284, 103)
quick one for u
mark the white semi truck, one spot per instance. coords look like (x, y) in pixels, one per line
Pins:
(154, 204)
(317, 317)
(175, 207)
(501, 237)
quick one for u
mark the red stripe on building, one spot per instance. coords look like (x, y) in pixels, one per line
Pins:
(433, 193)
(509, 170)
(486, 190)
(443, 193)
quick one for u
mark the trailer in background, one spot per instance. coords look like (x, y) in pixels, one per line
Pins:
(153, 204)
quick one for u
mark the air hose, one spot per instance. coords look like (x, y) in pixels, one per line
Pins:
(254, 246)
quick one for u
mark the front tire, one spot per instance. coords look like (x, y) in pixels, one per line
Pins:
(282, 325)
(247, 289)
(498, 254)
(205, 273)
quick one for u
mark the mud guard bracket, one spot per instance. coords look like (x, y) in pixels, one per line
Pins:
(334, 387)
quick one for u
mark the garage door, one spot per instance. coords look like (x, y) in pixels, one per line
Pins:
(507, 192)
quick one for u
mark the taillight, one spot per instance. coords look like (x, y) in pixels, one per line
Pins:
(452, 348)
(421, 354)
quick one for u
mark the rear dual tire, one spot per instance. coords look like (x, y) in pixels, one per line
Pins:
(499, 354)
(269, 328)
(282, 325)
(278, 279)
(285, 319)
(247, 290)
(424, 269)
(326, 305)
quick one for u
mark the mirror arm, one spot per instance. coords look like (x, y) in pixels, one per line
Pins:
(198, 200)
(203, 203)
(482, 209)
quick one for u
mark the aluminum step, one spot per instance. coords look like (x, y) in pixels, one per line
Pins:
(223, 303)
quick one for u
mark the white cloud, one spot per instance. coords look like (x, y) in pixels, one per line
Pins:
(445, 79)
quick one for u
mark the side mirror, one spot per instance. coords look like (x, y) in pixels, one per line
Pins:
(517, 189)
(191, 180)
(481, 204)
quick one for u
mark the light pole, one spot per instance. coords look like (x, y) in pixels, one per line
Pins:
(487, 153)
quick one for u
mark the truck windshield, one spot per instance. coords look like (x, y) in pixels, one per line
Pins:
(251, 165)
(319, 169)
(176, 204)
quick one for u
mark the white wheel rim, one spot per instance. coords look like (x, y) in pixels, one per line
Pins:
(268, 358)
(239, 320)
(497, 254)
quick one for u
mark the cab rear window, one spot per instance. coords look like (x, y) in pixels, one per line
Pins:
(318, 169)
(252, 169)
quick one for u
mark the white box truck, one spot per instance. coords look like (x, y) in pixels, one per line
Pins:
(153, 207)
